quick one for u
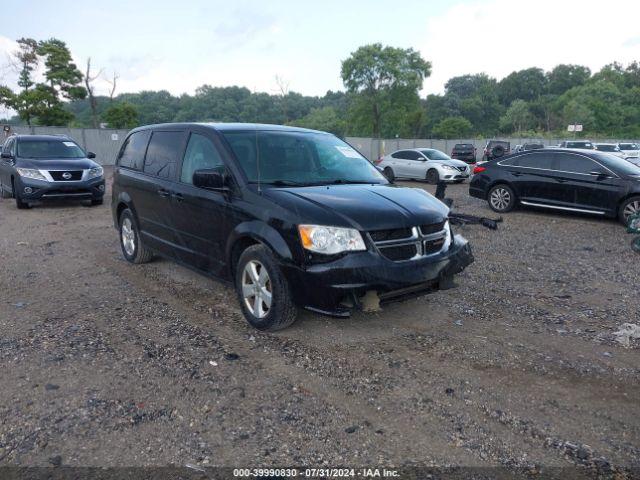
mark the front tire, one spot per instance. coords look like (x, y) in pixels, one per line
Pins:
(501, 198)
(635, 244)
(388, 172)
(133, 249)
(433, 177)
(263, 291)
(19, 203)
(629, 207)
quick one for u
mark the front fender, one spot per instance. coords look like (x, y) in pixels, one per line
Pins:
(263, 233)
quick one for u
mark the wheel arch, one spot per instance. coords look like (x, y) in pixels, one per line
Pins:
(501, 181)
(121, 204)
(252, 233)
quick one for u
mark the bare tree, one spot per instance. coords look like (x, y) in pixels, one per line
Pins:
(113, 86)
(93, 102)
(283, 90)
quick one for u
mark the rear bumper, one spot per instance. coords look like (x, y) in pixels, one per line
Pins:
(37, 190)
(322, 287)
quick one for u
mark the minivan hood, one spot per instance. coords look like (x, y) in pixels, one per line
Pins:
(364, 207)
(57, 164)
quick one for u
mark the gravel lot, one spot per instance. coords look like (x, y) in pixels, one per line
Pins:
(105, 364)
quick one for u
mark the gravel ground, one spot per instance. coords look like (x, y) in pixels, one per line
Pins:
(104, 363)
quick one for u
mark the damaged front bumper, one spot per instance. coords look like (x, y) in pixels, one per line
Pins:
(325, 287)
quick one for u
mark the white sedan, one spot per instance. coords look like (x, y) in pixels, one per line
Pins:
(424, 164)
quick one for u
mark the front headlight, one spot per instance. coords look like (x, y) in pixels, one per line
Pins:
(330, 240)
(95, 172)
(31, 173)
(449, 167)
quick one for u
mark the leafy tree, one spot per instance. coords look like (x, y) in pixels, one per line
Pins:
(376, 73)
(121, 115)
(564, 77)
(325, 119)
(453, 127)
(61, 73)
(526, 85)
(517, 117)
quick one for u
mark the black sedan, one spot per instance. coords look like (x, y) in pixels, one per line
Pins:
(584, 181)
(35, 168)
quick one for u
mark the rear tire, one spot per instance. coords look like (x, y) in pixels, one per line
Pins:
(433, 177)
(631, 206)
(388, 172)
(133, 249)
(501, 198)
(263, 291)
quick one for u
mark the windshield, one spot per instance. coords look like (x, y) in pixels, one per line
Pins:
(607, 148)
(618, 164)
(300, 158)
(41, 149)
(435, 155)
(629, 146)
(587, 145)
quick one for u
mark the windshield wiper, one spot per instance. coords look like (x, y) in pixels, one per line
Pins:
(283, 183)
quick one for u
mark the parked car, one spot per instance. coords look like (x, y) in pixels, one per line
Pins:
(424, 164)
(465, 152)
(581, 144)
(531, 146)
(292, 217)
(630, 149)
(611, 148)
(577, 181)
(496, 149)
(37, 168)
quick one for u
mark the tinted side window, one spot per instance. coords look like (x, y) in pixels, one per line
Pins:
(533, 160)
(567, 162)
(163, 153)
(411, 155)
(132, 153)
(200, 154)
(401, 154)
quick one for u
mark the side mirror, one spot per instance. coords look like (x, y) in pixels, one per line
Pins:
(599, 173)
(209, 179)
(6, 155)
(91, 155)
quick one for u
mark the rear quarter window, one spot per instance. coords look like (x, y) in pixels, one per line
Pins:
(163, 153)
(133, 150)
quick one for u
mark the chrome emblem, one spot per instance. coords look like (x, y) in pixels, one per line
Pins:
(66, 175)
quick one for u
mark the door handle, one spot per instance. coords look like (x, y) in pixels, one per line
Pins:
(561, 180)
(163, 193)
(517, 174)
(178, 196)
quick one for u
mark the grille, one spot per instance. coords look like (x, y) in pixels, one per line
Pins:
(433, 228)
(58, 176)
(433, 246)
(462, 169)
(397, 254)
(403, 244)
(393, 234)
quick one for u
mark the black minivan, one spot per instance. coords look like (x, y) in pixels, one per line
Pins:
(292, 217)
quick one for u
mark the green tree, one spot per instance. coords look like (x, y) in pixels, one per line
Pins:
(453, 127)
(325, 119)
(527, 84)
(564, 77)
(121, 115)
(376, 74)
(517, 117)
(62, 75)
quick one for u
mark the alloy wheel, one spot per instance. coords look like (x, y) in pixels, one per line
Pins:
(256, 289)
(632, 208)
(500, 198)
(128, 237)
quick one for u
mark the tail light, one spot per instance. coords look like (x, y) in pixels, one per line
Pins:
(478, 169)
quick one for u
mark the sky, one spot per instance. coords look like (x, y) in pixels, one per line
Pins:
(178, 46)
